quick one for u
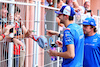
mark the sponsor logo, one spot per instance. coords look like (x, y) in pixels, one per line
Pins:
(85, 20)
(89, 44)
(92, 23)
(95, 40)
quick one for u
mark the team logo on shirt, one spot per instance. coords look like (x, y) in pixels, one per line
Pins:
(95, 40)
(89, 44)
(68, 39)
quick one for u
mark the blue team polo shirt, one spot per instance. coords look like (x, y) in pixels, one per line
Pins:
(92, 51)
(74, 36)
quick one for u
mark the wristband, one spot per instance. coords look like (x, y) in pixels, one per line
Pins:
(12, 39)
(34, 38)
(59, 35)
(57, 54)
(3, 35)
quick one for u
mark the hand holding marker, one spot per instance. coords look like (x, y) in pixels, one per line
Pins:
(52, 47)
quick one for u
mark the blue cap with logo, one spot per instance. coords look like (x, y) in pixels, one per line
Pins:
(67, 10)
(89, 21)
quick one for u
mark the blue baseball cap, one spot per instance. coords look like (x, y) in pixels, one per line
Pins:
(67, 10)
(89, 21)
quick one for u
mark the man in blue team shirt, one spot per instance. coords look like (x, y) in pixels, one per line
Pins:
(73, 39)
(91, 44)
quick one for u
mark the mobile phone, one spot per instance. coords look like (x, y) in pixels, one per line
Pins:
(11, 30)
(88, 10)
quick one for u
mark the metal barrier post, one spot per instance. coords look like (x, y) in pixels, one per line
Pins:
(10, 53)
(37, 27)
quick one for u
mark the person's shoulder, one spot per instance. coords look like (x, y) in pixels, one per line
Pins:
(75, 26)
(67, 30)
(98, 35)
(71, 27)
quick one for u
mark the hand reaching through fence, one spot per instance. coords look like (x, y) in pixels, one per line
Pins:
(7, 29)
(28, 33)
(17, 43)
(51, 32)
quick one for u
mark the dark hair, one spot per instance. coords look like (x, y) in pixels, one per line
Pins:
(71, 18)
(66, 2)
(17, 10)
(95, 30)
(86, 2)
(58, 1)
(2, 4)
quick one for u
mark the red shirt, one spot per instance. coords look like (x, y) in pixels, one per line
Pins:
(16, 50)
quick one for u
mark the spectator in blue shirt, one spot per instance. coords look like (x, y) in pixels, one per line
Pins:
(73, 39)
(91, 44)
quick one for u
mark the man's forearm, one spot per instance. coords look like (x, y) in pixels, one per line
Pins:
(1, 38)
(66, 55)
(70, 53)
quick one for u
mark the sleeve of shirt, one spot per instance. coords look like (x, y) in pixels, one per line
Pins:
(68, 37)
